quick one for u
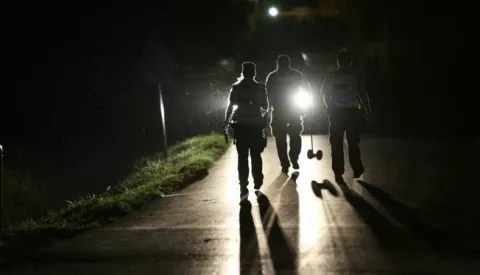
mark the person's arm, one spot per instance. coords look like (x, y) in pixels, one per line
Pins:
(305, 85)
(324, 90)
(269, 83)
(363, 95)
(228, 113)
(366, 103)
(231, 103)
(264, 100)
(264, 104)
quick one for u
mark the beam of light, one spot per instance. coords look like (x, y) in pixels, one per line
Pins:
(231, 191)
(313, 221)
(272, 11)
(312, 218)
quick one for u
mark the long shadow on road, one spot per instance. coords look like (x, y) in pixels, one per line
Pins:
(249, 251)
(412, 239)
(391, 238)
(282, 254)
(440, 241)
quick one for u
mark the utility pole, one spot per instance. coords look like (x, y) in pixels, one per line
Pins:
(1, 187)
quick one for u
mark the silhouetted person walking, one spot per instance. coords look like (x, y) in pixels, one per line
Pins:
(248, 102)
(282, 85)
(347, 108)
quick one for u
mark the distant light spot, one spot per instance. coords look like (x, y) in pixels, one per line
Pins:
(305, 56)
(224, 62)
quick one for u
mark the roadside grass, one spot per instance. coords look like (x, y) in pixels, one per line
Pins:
(152, 178)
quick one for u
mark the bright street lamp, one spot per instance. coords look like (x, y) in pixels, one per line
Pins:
(272, 11)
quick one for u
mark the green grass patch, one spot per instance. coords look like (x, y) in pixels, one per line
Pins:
(152, 178)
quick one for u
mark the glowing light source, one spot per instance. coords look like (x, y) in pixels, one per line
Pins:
(302, 99)
(272, 11)
(305, 56)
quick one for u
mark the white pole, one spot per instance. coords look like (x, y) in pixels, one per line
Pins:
(164, 129)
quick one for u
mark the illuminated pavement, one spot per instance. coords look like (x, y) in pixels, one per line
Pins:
(296, 227)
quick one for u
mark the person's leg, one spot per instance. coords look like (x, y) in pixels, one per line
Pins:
(336, 130)
(295, 131)
(256, 157)
(354, 131)
(279, 131)
(242, 151)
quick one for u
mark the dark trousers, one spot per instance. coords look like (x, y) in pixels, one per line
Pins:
(249, 142)
(350, 122)
(280, 129)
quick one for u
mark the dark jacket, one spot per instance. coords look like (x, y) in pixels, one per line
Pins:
(250, 98)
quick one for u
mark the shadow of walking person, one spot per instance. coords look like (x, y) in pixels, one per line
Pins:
(282, 254)
(390, 237)
(434, 236)
(249, 251)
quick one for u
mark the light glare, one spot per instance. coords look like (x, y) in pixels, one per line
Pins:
(302, 99)
(305, 56)
(273, 11)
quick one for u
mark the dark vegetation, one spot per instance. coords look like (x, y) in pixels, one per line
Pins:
(152, 178)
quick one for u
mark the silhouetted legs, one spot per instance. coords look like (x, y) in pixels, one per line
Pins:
(249, 143)
(349, 121)
(280, 130)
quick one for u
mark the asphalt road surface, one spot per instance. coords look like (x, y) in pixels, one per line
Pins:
(411, 214)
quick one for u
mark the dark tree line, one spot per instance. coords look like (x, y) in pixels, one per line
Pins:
(73, 98)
